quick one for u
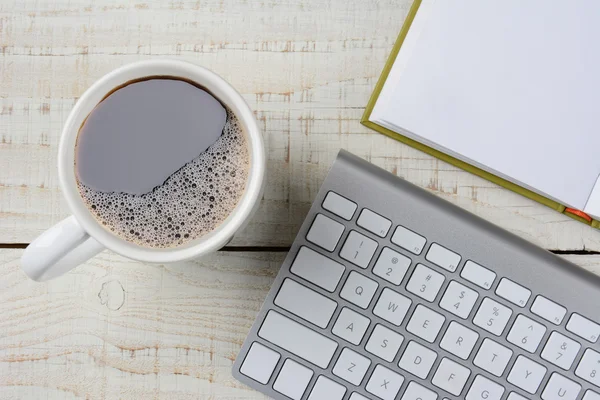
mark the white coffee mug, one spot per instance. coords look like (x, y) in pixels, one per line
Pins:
(80, 236)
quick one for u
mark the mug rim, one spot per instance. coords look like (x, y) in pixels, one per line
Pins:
(221, 90)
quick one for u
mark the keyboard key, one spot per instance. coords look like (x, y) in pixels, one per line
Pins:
(515, 396)
(408, 240)
(526, 374)
(560, 388)
(359, 289)
(340, 206)
(297, 339)
(459, 299)
(384, 383)
(374, 222)
(589, 367)
(351, 326)
(442, 257)
(584, 328)
(425, 283)
(357, 396)
(384, 343)
(392, 306)
(417, 360)
(351, 366)
(260, 362)
(512, 292)
(425, 323)
(305, 303)
(484, 389)
(317, 269)
(391, 266)
(414, 391)
(358, 249)
(591, 395)
(325, 232)
(560, 350)
(459, 340)
(326, 389)
(292, 379)
(492, 316)
(548, 310)
(478, 275)
(451, 377)
(492, 357)
(526, 334)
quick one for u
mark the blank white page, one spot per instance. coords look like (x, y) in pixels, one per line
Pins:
(511, 86)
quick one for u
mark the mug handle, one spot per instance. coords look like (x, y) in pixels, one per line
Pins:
(58, 250)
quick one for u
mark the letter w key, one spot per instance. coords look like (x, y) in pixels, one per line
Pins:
(392, 306)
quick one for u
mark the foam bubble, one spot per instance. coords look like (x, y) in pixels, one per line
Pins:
(192, 202)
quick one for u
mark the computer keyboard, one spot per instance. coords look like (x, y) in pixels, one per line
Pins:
(389, 292)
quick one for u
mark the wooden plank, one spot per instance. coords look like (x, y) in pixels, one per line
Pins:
(114, 328)
(306, 67)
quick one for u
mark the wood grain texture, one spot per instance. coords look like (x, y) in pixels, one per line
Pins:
(306, 67)
(115, 328)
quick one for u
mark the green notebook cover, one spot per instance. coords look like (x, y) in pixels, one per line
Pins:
(438, 154)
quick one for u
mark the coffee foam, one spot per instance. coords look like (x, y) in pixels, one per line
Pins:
(192, 202)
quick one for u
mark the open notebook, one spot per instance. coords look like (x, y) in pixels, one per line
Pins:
(508, 89)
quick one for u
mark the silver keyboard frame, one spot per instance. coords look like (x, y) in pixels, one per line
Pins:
(464, 233)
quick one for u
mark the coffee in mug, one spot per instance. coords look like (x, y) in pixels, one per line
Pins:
(161, 162)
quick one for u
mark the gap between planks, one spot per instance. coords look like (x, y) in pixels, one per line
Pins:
(270, 249)
(285, 249)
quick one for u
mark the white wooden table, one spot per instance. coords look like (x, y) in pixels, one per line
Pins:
(114, 328)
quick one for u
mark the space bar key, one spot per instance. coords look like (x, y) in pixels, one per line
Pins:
(297, 339)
